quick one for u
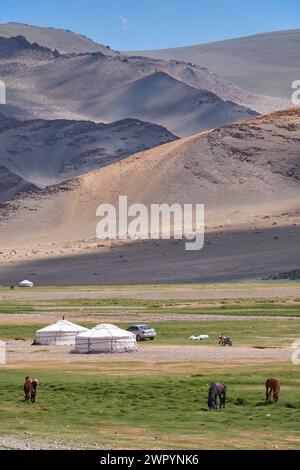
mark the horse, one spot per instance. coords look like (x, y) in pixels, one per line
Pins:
(30, 387)
(272, 386)
(217, 390)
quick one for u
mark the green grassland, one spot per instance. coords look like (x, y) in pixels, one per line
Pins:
(130, 404)
(237, 307)
(155, 412)
(261, 333)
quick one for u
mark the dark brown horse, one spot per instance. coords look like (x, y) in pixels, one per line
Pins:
(272, 387)
(217, 390)
(30, 387)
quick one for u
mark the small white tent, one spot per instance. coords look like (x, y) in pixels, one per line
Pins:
(26, 284)
(62, 333)
(105, 339)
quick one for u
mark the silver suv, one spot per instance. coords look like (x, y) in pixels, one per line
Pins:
(142, 332)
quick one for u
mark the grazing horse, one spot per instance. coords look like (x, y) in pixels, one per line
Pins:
(272, 386)
(30, 387)
(217, 390)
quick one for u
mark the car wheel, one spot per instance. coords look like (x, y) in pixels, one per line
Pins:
(151, 339)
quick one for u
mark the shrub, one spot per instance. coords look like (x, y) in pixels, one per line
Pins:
(241, 401)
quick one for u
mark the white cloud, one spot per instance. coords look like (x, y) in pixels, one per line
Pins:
(124, 23)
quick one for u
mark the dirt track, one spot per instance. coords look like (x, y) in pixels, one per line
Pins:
(23, 351)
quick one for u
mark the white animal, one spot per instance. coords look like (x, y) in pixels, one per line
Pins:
(199, 338)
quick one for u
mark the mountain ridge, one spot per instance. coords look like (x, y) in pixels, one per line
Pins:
(250, 62)
(64, 41)
(53, 88)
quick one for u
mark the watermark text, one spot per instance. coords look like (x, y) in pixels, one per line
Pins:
(159, 222)
(2, 92)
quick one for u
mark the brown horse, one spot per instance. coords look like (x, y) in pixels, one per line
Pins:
(272, 386)
(30, 387)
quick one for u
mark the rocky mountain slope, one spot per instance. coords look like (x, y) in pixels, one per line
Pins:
(51, 87)
(65, 42)
(12, 185)
(48, 152)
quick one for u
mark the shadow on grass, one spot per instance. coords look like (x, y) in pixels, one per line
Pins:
(240, 401)
(264, 403)
(294, 406)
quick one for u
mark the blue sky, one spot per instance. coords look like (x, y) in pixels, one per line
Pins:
(154, 24)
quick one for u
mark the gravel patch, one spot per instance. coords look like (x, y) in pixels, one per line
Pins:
(23, 351)
(28, 442)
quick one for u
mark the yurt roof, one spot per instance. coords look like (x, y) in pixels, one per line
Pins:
(106, 331)
(63, 326)
(26, 282)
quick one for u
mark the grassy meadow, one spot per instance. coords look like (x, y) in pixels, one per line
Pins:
(155, 412)
(262, 333)
(147, 404)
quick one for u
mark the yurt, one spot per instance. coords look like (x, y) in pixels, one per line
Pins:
(26, 284)
(105, 339)
(62, 333)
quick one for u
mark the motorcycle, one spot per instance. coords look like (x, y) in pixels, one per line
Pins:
(225, 340)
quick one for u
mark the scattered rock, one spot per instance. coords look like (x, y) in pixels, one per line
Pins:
(290, 276)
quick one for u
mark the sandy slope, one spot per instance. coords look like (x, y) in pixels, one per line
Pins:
(247, 175)
(265, 63)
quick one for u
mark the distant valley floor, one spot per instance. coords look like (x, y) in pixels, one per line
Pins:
(230, 255)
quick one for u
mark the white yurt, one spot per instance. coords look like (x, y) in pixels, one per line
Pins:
(62, 333)
(105, 339)
(26, 284)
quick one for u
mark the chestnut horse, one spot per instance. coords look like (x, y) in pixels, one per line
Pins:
(30, 387)
(272, 386)
(217, 390)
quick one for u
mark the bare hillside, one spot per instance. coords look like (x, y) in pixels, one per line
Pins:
(265, 63)
(48, 152)
(247, 175)
(171, 103)
(44, 84)
(65, 42)
(12, 185)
